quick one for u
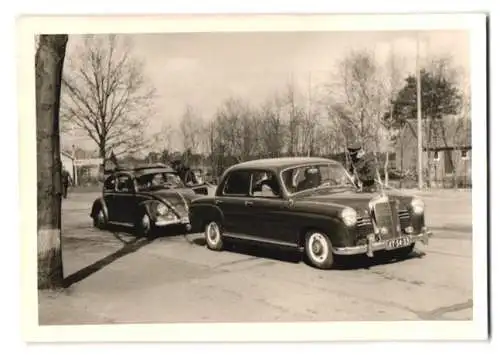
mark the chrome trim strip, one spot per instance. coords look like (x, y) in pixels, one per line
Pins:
(260, 240)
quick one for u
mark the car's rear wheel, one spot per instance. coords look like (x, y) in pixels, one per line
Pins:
(319, 249)
(213, 236)
(100, 220)
(145, 227)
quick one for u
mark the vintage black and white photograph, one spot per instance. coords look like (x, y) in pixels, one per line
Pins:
(256, 176)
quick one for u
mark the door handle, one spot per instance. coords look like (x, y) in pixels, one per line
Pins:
(248, 203)
(218, 202)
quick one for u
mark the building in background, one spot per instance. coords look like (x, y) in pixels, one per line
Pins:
(447, 148)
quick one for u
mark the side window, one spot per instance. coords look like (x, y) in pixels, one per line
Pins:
(124, 184)
(265, 184)
(109, 184)
(237, 183)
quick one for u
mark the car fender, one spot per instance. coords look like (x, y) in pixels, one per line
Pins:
(333, 227)
(99, 203)
(146, 206)
(202, 213)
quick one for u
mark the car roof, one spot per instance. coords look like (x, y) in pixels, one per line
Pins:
(281, 163)
(149, 171)
(145, 170)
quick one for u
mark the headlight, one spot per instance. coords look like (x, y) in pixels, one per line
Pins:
(417, 205)
(349, 216)
(161, 209)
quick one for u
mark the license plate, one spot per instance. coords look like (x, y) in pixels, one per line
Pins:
(398, 243)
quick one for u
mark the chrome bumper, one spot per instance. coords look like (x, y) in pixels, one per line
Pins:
(373, 246)
(176, 222)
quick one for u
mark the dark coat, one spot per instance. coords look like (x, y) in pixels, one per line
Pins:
(65, 178)
(366, 169)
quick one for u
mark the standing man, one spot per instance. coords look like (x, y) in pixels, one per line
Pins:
(363, 166)
(66, 181)
(185, 173)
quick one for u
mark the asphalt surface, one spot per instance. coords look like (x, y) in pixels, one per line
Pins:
(114, 278)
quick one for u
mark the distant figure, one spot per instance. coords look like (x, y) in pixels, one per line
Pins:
(65, 181)
(363, 166)
(185, 173)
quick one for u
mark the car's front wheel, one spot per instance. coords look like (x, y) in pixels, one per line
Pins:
(213, 236)
(100, 220)
(145, 227)
(319, 249)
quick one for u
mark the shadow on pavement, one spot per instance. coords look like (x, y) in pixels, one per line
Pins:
(380, 258)
(294, 256)
(265, 252)
(130, 243)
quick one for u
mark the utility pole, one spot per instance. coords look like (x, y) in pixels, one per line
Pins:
(419, 118)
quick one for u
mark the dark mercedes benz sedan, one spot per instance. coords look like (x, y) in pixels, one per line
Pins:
(309, 204)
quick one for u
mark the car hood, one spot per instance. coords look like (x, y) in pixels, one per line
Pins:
(174, 194)
(357, 200)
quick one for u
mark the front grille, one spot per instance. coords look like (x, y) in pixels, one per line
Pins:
(404, 218)
(364, 226)
(386, 216)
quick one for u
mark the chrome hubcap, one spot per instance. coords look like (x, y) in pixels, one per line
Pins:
(318, 247)
(212, 232)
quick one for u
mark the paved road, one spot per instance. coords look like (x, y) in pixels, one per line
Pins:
(117, 279)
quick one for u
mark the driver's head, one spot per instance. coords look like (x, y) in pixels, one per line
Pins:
(157, 180)
(312, 175)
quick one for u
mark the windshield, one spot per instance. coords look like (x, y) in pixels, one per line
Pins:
(159, 180)
(314, 176)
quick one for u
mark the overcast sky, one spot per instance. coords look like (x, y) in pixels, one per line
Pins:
(203, 69)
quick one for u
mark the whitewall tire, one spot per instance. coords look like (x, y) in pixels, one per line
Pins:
(318, 249)
(213, 236)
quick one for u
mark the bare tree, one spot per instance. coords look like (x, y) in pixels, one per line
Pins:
(358, 100)
(271, 130)
(106, 95)
(237, 129)
(309, 123)
(49, 62)
(393, 125)
(190, 128)
(295, 115)
(363, 96)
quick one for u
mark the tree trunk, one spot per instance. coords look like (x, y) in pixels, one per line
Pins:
(48, 66)
(102, 150)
